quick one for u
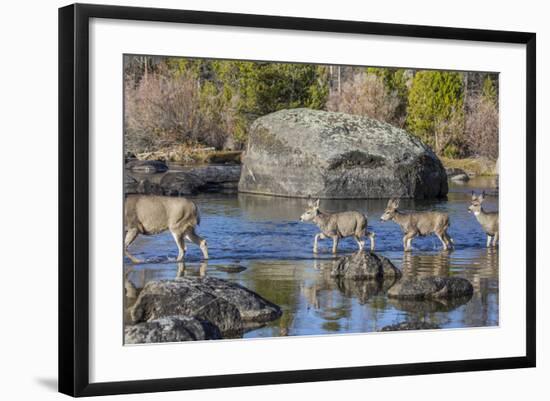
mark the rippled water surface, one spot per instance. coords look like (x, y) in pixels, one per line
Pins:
(259, 242)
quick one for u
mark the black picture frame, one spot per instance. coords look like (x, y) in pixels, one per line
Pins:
(74, 198)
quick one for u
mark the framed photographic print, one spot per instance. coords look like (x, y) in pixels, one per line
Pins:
(250, 199)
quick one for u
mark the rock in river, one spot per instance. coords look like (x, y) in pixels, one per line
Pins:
(431, 288)
(146, 166)
(229, 306)
(186, 181)
(303, 152)
(171, 329)
(365, 265)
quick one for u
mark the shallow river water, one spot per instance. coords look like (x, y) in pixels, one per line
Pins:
(259, 242)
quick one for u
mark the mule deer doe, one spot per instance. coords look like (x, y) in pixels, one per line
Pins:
(148, 215)
(418, 223)
(487, 220)
(338, 225)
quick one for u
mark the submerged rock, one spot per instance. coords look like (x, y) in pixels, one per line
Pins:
(365, 266)
(431, 288)
(303, 152)
(230, 268)
(229, 306)
(424, 306)
(171, 329)
(410, 326)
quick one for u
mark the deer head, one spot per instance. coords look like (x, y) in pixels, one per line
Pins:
(311, 212)
(391, 210)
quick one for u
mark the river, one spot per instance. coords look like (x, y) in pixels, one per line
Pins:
(259, 242)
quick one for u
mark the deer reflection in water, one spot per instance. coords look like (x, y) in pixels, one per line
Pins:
(182, 270)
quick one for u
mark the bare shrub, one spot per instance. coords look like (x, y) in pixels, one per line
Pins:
(482, 127)
(365, 94)
(164, 109)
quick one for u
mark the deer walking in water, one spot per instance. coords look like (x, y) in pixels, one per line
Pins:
(487, 220)
(337, 226)
(148, 215)
(418, 223)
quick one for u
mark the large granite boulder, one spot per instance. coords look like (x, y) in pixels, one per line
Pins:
(171, 329)
(431, 288)
(303, 152)
(365, 266)
(229, 306)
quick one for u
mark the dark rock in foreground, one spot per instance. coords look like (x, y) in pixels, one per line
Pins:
(410, 326)
(171, 329)
(431, 288)
(303, 152)
(229, 306)
(146, 166)
(365, 266)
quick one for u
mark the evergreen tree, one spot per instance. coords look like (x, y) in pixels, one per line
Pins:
(435, 108)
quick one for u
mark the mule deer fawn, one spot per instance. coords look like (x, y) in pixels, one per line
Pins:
(418, 223)
(487, 220)
(338, 225)
(149, 214)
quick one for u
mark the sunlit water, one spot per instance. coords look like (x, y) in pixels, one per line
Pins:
(264, 235)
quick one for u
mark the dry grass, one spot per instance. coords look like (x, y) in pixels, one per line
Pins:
(472, 166)
(192, 154)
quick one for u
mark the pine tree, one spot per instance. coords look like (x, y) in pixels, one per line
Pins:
(435, 107)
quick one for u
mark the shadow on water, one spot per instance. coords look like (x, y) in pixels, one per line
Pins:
(257, 241)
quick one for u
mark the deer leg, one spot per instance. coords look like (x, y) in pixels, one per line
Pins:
(334, 243)
(489, 238)
(131, 235)
(180, 242)
(407, 242)
(192, 236)
(371, 237)
(495, 239)
(449, 240)
(443, 241)
(360, 242)
(317, 237)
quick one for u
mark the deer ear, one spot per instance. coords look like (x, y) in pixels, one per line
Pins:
(474, 197)
(396, 203)
(316, 204)
(309, 201)
(482, 196)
